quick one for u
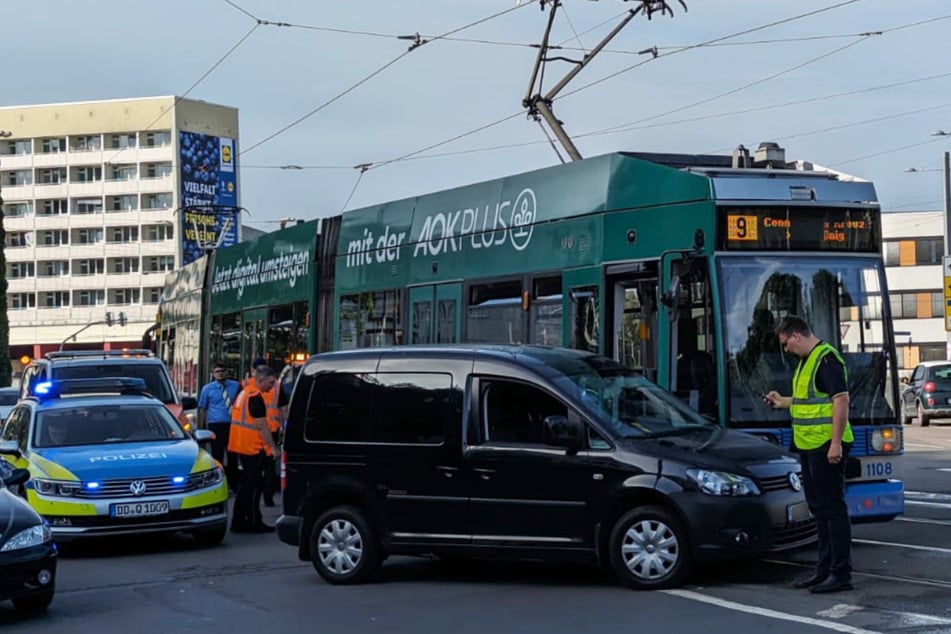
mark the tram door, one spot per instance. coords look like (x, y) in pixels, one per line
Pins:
(435, 313)
(632, 315)
(254, 338)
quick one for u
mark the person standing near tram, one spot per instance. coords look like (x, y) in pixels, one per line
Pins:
(214, 413)
(819, 409)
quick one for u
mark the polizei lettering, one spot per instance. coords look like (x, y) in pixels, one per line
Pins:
(481, 227)
(123, 457)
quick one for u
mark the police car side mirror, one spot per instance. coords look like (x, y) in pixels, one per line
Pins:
(9, 448)
(16, 476)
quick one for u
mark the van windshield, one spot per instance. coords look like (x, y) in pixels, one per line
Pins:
(626, 402)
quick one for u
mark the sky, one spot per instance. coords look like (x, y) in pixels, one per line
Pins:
(324, 86)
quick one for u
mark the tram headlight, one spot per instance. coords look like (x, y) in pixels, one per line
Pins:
(886, 440)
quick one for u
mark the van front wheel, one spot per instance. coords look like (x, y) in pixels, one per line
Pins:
(344, 547)
(649, 549)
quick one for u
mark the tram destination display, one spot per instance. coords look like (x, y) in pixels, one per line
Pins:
(798, 229)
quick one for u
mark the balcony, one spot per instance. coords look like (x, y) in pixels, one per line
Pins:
(155, 154)
(84, 157)
(50, 190)
(54, 159)
(156, 185)
(89, 188)
(16, 161)
(120, 186)
(13, 193)
(52, 283)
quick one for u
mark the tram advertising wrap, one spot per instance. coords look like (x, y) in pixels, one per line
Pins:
(209, 195)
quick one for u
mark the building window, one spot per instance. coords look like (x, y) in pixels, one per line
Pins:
(54, 299)
(21, 301)
(53, 238)
(157, 139)
(122, 141)
(95, 297)
(17, 178)
(20, 270)
(123, 203)
(18, 210)
(88, 174)
(123, 265)
(122, 172)
(152, 295)
(53, 268)
(55, 207)
(88, 236)
(121, 296)
(157, 233)
(51, 176)
(156, 201)
(929, 250)
(22, 146)
(158, 170)
(19, 238)
(937, 304)
(52, 146)
(87, 206)
(157, 263)
(87, 143)
(89, 267)
(123, 234)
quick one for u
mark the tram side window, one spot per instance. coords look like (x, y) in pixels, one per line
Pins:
(226, 340)
(585, 314)
(370, 320)
(495, 313)
(545, 311)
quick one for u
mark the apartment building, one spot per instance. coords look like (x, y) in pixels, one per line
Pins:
(914, 248)
(94, 200)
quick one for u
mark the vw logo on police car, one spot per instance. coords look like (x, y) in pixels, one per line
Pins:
(137, 487)
(794, 481)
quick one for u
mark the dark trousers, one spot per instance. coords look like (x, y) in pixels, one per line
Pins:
(247, 502)
(824, 486)
(219, 449)
(272, 483)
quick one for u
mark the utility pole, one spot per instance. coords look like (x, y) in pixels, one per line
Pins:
(6, 370)
(540, 105)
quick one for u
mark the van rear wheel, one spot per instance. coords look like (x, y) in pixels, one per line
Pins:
(344, 547)
(649, 549)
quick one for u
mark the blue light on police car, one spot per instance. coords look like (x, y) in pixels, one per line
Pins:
(42, 389)
(92, 485)
(178, 480)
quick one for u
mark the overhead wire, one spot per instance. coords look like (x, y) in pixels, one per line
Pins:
(888, 151)
(359, 83)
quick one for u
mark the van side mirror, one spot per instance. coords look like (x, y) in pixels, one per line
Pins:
(9, 448)
(17, 476)
(561, 431)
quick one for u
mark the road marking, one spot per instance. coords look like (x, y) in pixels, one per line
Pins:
(765, 612)
(924, 495)
(940, 505)
(914, 444)
(930, 549)
(921, 520)
(839, 611)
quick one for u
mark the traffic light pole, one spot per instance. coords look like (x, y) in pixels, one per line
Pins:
(107, 321)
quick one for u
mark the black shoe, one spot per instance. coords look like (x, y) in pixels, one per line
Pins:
(831, 585)
(808, 582)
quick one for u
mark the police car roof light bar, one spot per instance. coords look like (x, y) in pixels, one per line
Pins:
(74, 387)
(127, 352)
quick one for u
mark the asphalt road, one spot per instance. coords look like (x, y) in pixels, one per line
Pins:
(255, 584)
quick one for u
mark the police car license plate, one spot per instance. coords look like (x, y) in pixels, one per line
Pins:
(798, 512)
(139, 509)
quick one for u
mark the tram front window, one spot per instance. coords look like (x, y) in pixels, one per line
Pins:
(841, 299)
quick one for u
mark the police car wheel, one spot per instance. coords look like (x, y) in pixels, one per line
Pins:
(649, 549)
(210, 537)
(344, 547)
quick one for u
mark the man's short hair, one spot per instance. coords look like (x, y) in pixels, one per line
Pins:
(793, 324)
(219, 366)
(258, 361)
(264, 371)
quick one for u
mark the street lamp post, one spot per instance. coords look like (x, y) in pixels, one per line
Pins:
(946, 187)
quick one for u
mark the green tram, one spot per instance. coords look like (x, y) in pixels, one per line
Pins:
(675, 265)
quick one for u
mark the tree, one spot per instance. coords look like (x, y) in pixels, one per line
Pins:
(6, 371)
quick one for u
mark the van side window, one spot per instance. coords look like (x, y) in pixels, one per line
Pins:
(338, 408)
(410, 408)
(515, 412)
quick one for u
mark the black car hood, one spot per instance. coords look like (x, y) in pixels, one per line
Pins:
(711, 448)
(15, 515)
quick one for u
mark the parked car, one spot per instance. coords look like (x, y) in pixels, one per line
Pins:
(94, 364)
(927, 394)
(27, 553)
(8, 398)
(108, 458)
(522, 452)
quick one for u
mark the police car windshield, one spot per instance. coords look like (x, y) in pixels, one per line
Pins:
(104, 424)
(152, 373)
(628, 403)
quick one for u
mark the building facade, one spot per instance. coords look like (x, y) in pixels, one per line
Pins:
(100, 200)
(914, 247)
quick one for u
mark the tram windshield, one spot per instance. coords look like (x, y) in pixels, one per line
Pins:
(839, 296)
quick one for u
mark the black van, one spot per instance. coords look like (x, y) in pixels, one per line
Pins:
(522, 452)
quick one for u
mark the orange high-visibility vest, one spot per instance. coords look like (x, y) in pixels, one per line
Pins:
(245, 435)
(274, 421)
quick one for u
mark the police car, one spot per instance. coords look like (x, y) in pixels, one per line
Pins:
(107, 458)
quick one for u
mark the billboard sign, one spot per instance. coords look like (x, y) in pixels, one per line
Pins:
(209, 193)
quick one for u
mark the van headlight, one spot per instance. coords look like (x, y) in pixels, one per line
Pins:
(722, 483)
(886, 440)
(55, 487)
(33, 536)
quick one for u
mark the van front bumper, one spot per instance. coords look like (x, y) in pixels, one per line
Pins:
(289, 528)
